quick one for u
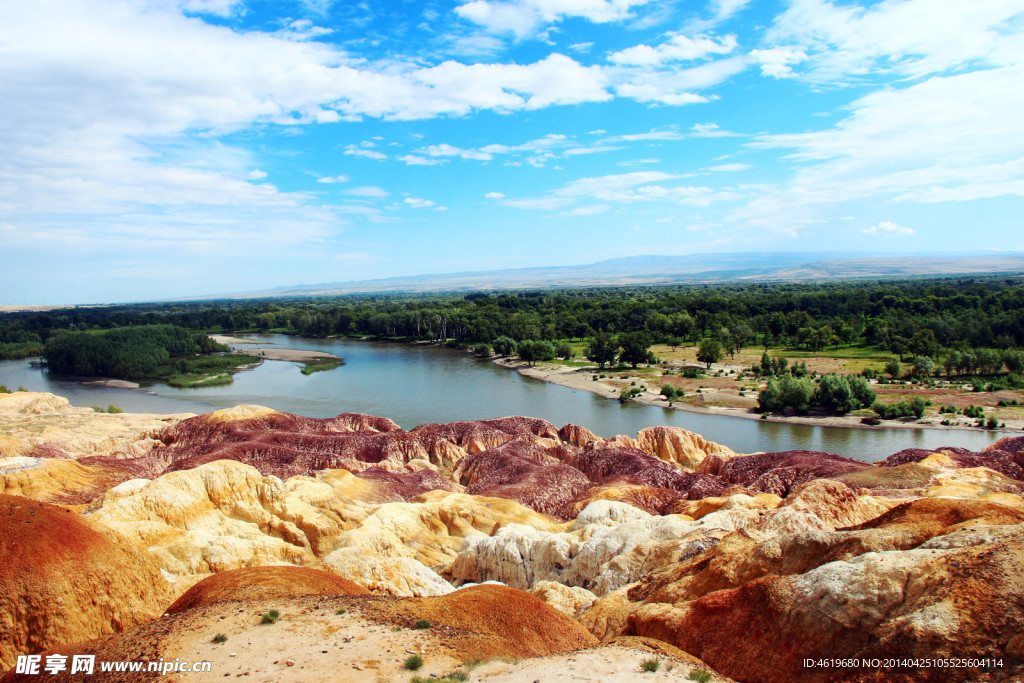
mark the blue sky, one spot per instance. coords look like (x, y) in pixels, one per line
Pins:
(166, 148)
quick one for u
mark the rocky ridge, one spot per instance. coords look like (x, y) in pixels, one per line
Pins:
(751, 563)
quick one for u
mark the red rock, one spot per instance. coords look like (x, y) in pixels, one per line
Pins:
(263, 583)
(62, 580)
(780, 472)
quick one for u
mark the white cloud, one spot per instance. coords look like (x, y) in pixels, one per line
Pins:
(446, 150)
(418, 203)
(678, 48)
(256, 174)
(369, 191)
(776, 62)
(590, 210)
(948, 138)
(525, 17)
(333, 179)
(673, 86)
(494, 195)
(639, 186)
(910, 37)
(710, 130)
(888, 229)
(730, 168)
(414, 160)
(353, 150)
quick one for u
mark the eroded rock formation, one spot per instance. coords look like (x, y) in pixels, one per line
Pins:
(750, 562)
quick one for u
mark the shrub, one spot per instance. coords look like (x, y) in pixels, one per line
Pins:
(629, 393)
(220, 638)
(650, 665)
(341, 611)
(700, 675)
(413, 662)
(504, 346)
(482, 350)
(270, 617)
(421, 624)
(992, 423)
(4, 389)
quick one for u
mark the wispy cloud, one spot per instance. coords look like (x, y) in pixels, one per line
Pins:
(888, 229)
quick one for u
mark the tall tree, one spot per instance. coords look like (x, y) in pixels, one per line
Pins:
(602, 349)
(710, 351)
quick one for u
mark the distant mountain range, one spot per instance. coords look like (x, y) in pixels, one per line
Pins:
(663, 270)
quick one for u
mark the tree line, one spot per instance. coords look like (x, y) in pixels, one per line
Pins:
(975, 317)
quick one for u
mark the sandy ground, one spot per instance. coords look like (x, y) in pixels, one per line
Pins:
(226, 339)
(311, 642)
(115, 383)
(294, 355)
(582, 379)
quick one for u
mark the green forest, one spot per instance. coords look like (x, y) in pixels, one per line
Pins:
(968, 325)
(170, 352)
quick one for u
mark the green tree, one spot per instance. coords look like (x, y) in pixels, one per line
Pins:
(602, 349)
(564, 350)
(635, 348)
(710, 351)
(892, 368)
(504, 346)
(924, 366)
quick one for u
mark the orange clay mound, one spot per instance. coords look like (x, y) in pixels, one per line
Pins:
(506, 621)
(63, 581)
(942, 515)
(257, 583)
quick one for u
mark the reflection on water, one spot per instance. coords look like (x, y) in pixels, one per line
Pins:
(415, 385)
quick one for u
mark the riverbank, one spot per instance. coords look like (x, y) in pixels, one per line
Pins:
(582, 378)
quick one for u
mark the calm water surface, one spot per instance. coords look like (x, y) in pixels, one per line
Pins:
(415, 385)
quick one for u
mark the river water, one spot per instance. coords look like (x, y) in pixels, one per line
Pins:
(415, 385)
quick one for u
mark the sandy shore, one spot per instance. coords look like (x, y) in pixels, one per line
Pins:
(226, 339)
(294, 355)
(582, 379)
(115, 383)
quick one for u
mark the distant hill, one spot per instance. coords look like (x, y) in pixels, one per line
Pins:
(661, 270)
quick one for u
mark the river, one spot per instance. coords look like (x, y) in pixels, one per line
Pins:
(414, 385)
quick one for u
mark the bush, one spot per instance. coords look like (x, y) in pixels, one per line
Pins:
(563, 350)
(4, 389)
(504, 346)
(894, 411)
(629, 393)
(992, 423)
(672, 393)
(220, 638)
(482, 350)
(786, 392)
(650, 665)
(413, 662)
(270, 617)
(421, 624)
(700, 675)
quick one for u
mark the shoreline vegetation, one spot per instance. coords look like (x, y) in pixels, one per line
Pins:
(920, 351)
(710, 400)
(312, 361)
(581, 379)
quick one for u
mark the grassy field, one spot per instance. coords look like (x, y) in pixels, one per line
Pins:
(730, 383)
(321, 364)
